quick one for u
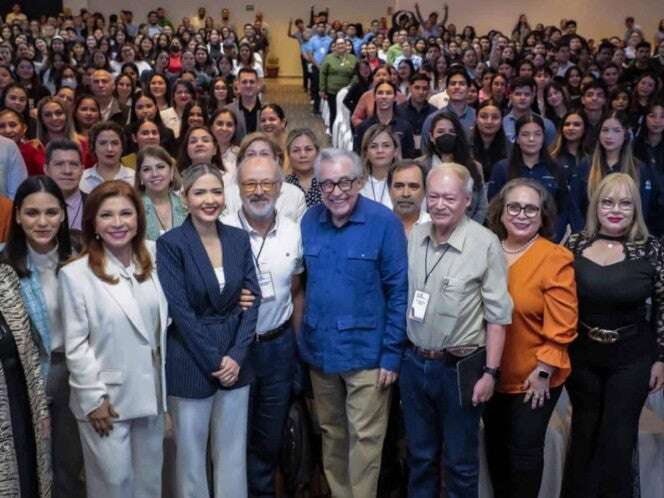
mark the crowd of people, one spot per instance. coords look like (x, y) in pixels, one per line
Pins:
(176, 256)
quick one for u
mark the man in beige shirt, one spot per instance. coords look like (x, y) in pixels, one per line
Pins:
(457, 303)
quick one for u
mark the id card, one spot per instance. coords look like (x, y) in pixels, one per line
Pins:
(419, 307)
(266, 285)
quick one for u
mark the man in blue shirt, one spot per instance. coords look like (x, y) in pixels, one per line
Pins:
(457, 86)
(318, 47)
(521, 99)
(353, 334)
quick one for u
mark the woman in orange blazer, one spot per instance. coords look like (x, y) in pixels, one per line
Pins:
(535, 362)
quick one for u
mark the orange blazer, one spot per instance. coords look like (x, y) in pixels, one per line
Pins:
(543, 289)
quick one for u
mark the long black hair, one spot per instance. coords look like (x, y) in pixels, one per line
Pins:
(498, 148)
(15, 252)
(461, 153)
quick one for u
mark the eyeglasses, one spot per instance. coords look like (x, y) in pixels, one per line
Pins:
(622, 205)
(266, 186)
(344, 184)
(515, 209)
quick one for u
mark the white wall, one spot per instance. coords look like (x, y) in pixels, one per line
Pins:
(596, 18)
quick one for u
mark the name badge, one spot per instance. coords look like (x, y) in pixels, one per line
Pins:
(419, 307)
(266, 285)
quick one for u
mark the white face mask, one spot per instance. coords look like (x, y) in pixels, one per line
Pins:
(70, 83)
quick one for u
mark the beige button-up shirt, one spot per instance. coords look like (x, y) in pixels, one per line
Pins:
(467, 287)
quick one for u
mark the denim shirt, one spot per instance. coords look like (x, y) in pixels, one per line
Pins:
(357, 289)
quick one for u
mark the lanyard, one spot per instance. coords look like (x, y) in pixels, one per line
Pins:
(260, 250)
(428, 273)
(373, 192)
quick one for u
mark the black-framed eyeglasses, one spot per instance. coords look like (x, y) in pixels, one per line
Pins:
(344, 184)
(515, 209)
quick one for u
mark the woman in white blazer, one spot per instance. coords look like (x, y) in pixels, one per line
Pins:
(115, 316)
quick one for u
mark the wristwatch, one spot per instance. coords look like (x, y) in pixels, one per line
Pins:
(543, 374)
(493, 372)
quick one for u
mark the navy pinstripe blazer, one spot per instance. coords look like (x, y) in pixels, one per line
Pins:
(207, 324)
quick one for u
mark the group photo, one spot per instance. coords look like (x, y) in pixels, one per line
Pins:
(282, 250)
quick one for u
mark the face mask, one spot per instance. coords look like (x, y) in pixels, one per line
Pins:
(70, 83)
(445, 143)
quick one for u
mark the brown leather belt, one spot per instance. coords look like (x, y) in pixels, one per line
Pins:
(449, 355)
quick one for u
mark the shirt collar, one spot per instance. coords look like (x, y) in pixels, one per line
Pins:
(247, 226)
(357, 216)
(116, 267)
(74, 199)
(456, 239)
(47, 260)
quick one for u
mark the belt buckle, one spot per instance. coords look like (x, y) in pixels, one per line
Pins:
(604, 336)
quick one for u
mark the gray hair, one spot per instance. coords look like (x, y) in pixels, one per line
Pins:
(280, 172)
(335, 155)
(460, 171)
(193, 173)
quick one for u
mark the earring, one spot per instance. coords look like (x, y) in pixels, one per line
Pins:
(97, 236)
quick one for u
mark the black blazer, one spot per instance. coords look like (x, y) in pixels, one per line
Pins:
(207, 324)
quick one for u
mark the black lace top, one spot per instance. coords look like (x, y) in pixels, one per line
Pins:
(618, 294)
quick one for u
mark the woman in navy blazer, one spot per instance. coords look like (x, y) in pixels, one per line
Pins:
(203, 266)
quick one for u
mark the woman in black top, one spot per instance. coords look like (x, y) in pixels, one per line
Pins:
(489, 142)
(619, 354)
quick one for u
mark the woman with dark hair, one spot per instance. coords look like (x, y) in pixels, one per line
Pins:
(535, 363)
(198, 146)
(366, 105)
(53, 122)
(556, 103)
(194, 114)
(448, 144)
(620, 99)
(573, 84)
(246, 57)
(26, 75)
(125, 88)
(158, 86)
(159, 66)
(220, 94)
(115, 317)
(107, 143)
(182, 93)
(302, 148)
(385, 94)
(530, 159)
(614, 154)
(223, 125)
(38, 245)
(86, 114)
(360, 84)
(15, 97)
(489, 143)
(272, 121)
(499, 92)
(144, 106)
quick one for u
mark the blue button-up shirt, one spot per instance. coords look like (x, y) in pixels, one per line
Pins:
(357, 289)
(319, 46)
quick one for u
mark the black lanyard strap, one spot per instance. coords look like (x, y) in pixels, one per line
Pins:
(427, 273)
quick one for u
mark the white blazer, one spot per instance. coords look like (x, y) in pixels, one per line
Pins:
(108, 350)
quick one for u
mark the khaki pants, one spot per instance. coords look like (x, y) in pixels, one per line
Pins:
(353, 415)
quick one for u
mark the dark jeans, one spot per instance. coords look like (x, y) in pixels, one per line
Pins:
(268, 408)
(66, 451)
(315, 88)
(305, 73)
(514, 435)
(435, 422)
(607, 400)
(332, 104)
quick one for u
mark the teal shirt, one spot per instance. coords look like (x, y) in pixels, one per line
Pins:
(153, 225)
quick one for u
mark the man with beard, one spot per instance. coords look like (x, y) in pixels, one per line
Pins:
(277, 248)
(405, 182)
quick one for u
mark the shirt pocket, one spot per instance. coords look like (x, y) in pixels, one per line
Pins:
(449, 298)
(361, 265)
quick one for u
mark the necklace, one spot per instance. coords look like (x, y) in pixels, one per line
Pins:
(520, 249)
(611, 240)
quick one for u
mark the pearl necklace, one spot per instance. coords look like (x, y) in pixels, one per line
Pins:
(520, 249)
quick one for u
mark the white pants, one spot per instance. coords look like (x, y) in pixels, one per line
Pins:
(128, 462)
(222, 417)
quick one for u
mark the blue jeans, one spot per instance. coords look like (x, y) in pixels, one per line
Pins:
(274, 363)
(436, 422)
